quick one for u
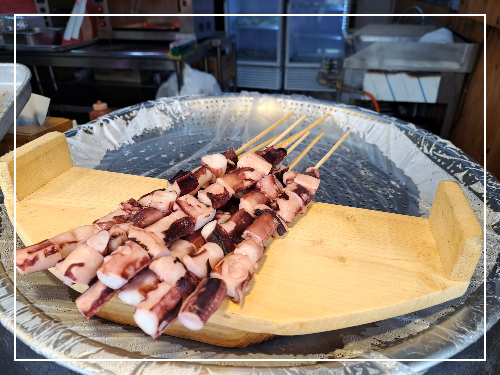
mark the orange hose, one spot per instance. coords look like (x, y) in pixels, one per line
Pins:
(375, 103)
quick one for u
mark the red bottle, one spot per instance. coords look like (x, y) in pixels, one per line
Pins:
(100, 109)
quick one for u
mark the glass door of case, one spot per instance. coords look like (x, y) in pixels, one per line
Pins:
(311, 38)
(257, 37)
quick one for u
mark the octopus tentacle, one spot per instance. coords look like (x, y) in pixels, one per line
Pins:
(159, 310)
(94, 298)
(202, 303)
(136, 290)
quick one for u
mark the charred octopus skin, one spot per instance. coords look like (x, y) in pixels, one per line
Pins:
(159, 310)
(214, 232)
(273, 155)
(81, 265)
(237, 224)
(202, 262)
(124, 212)
(216, 195)
(136, 290)
(94, 298)
(123, 264)
(201, 304)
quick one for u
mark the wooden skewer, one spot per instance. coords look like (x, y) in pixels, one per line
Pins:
(274, 140)
(294, 163)
(4, 93)
(280, 137)
(324, 158)
(260, 146)
(289, 141)
(297, 143)
(248, 144)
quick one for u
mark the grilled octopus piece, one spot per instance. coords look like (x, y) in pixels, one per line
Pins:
(94, 298)
(200, 305)
(273, 155)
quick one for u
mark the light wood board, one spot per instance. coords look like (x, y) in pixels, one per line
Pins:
(337, 267)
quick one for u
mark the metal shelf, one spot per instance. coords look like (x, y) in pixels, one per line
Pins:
(257, 27)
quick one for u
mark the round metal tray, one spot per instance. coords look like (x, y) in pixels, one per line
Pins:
(23, 93)
(385, 164)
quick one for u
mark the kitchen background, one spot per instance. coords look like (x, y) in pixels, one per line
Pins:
(332, 58)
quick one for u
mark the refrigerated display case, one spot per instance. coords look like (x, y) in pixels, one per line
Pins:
(313, 39)
(259, 42)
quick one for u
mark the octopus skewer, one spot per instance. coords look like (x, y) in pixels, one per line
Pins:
(219, 244)
(236, 269)
(149, 209)
(239, 265)
(138, 247)
(187, 210)
(48, 253)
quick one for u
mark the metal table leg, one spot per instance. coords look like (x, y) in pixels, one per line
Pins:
(219, 66)
(205, 63)
(233, 51)
(178, 70)
(35, 70)
(53, 77)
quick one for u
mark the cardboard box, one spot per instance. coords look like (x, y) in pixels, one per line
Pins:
(25, 134)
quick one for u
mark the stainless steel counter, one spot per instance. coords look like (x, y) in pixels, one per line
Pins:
(396, 48)
(112, 55)
(116, 54)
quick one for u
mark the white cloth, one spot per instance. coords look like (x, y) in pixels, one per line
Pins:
(441, 35)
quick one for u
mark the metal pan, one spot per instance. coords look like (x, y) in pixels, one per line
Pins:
(22, 90)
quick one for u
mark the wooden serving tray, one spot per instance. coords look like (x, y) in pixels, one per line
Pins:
(337, 267)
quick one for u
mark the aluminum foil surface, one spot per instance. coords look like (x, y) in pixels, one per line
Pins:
(385, 164)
